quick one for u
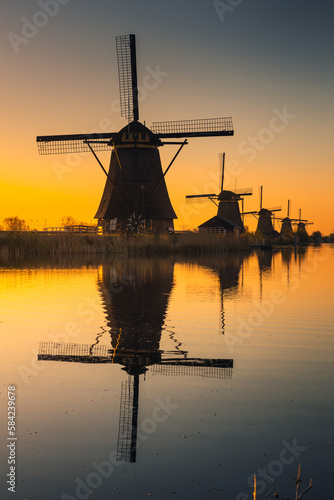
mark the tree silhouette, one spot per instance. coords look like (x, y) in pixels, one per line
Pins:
(15, 224)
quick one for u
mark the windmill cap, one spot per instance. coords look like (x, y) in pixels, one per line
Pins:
(228, 195)
(134, 128)
(264, 211)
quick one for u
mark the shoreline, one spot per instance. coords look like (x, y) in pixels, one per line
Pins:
(32, 244)
(39, 244)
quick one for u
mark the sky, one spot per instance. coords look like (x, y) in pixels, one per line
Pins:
(267, 64)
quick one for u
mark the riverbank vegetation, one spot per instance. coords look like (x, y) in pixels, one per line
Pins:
(30, 243)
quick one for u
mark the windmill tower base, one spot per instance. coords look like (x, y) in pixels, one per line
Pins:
(122, 225)
(286, 226)
(302, 233)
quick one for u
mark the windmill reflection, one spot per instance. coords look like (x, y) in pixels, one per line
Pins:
(266, 263)
(229, 271)
(287, 253)
(135, 296)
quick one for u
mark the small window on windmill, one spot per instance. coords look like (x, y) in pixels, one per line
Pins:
(143, 136)
(113, 224)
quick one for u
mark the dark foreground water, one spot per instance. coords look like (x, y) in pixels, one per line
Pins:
(168, 378)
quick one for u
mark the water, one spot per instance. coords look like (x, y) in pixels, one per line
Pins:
(169, 378)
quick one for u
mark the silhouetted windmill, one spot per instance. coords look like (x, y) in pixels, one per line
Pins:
(287, 222)
(302, 223)
(228, 216)
(301, 232)
(135, 192)
(265, 218)
(286, 226)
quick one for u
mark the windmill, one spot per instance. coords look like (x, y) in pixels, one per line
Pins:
(228, 218)
(287, 222)
(301, 232)
(286, 226)
(302, 223)
(264, 217)
(135, 192)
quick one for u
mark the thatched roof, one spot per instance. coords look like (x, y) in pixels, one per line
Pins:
(220, 222)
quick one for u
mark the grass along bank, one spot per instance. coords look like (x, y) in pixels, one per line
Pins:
(29, 243)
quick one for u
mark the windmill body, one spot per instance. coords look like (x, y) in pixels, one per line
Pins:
(265, 219)
(301, 228)
(135, 196)
(286, 225)
(265, 224)
(135, 170)
(228, 208)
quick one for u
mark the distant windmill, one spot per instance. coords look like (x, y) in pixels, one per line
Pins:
(286, 226)
(135, 193)
(265, 217)
(228, 217)
(287, 222)
(302, 223)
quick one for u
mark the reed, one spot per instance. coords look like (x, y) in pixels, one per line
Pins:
(32, 244)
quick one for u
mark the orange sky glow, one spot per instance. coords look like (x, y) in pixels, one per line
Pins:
(278, 92)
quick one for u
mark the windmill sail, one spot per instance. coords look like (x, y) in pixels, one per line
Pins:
(73, 143)
(208, 127)
(127, 74)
